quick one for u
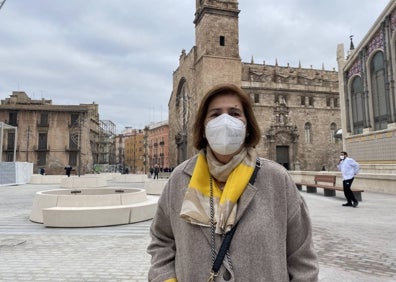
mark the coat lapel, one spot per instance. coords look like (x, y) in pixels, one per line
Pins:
(243, 203)
(245, 199)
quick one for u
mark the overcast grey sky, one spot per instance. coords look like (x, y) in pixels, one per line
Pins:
(121, 54)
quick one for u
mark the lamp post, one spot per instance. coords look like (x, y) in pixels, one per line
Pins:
(27, 144)
(145, 148)
(134, 153)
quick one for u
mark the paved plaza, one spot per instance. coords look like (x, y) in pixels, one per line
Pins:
(353, 244)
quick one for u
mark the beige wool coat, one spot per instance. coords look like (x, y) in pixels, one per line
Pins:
(273, 240)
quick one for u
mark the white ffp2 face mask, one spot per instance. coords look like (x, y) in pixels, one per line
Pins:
(225, 134)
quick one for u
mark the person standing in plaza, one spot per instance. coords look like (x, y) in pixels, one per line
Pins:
(226, 214)
(68, 170)
(349, 168)
(156, 171)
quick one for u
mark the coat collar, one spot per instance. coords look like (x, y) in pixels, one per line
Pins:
(243, 203)
(246, 197)
(190, 165)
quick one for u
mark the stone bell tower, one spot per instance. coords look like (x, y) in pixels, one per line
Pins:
(217, 43)
(214, 59)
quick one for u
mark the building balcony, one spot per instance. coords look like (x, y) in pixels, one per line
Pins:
(74, 125)
(42, 124)
(41, 148)
(9, 148)
(12, 122)
(71, 149)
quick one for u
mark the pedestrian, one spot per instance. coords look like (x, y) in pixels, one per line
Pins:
(68, 169)
(349, 168)
(42, 171)
(227, 190)
(156, 171)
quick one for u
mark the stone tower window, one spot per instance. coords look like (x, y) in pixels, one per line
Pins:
(311, 101)
(222, 40)
(336, 103)
(308, 133)
(328, 102)
(256, 98)
(302, 100)
(333, 129)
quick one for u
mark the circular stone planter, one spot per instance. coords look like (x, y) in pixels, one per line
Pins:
(155, 186)
(87, 207)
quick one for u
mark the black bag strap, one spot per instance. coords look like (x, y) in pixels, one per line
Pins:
(223, 249)
(228, 236)
(256, 169)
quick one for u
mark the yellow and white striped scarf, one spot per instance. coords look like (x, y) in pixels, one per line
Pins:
(236, 175)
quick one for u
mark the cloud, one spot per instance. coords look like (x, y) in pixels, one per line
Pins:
(121, 54)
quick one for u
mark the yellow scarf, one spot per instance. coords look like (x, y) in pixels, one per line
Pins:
(196, 205)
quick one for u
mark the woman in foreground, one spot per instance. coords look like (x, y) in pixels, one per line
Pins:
(227, 189)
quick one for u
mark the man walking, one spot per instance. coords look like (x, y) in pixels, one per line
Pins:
(68, 169)
(349, 168)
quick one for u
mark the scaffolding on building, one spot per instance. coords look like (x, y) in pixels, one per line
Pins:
(106, 150)
(13, 142)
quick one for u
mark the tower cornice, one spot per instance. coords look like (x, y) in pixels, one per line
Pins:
(216, 7)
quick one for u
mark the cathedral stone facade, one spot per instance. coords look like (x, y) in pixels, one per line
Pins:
(298, 109)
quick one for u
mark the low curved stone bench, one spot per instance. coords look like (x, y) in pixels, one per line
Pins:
(85, 181)
(155, 186)
(109, 175)
(99, 216)
(46, 179)
(130, 178)
(90, 207)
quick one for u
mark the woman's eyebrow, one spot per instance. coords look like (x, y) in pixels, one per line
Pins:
(228, 109)
(235, 109)
(214, 110)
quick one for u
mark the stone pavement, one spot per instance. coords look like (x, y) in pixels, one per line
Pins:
(353, 244)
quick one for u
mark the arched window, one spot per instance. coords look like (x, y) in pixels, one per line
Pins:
(333, 129)
(357, 105)
(308, 133)
(379, 100)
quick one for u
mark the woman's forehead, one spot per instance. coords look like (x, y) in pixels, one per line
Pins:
(226, 100)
